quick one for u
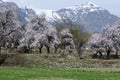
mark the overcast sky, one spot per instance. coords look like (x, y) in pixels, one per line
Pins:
(111, 5)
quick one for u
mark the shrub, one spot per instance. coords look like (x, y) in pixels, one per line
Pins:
(80, 38)
(14, 60)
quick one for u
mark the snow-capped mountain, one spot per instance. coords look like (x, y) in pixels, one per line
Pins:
(25, 12)
(91, 16)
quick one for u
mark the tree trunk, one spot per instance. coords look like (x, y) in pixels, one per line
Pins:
(56, 49)
(79, 53)
(116, 54)
(48, 49)
(40, 49)
(0, 49)
(108, 53)
(100, 53)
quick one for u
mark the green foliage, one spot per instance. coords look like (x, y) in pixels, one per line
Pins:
(80, 38)
(15, 60)
(80, 35)
(12, 60)
(55, 74)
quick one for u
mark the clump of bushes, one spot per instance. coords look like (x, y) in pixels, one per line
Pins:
(2, 58)
(12, 60)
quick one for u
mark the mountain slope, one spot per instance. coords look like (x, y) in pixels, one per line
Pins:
(91, 16)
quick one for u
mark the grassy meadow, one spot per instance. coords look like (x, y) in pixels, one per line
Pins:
(53, 66)
(17, 73)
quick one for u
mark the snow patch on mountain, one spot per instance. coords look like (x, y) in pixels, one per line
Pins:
(90, 15)
(85, 8)
(50, 14)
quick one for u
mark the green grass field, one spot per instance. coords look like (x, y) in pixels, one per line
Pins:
(54, 67)
(18, 73)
